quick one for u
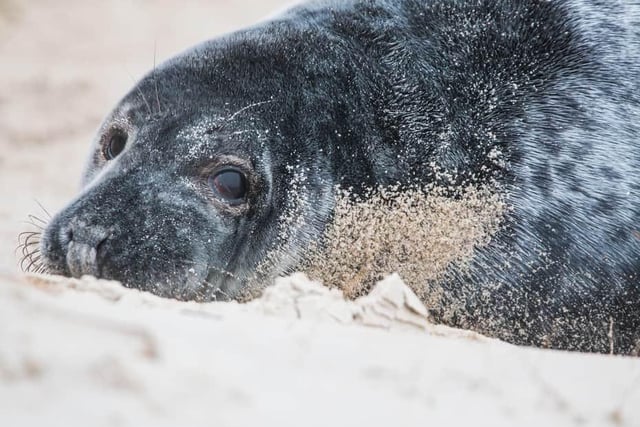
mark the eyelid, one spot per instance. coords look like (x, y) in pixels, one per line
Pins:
(224, 161)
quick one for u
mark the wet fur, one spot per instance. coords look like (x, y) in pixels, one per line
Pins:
(538, 99)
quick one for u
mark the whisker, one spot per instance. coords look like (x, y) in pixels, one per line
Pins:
(33, 262)
(34, 218)
(43, 208)
(144, 98)
(28, 234)
(29, 242)
(42, 269)
(25, 244)
(155, 80)
(21, 248)
(39, 227)
(240, 132)
(26, 259)
(243, 109)
(28, 248)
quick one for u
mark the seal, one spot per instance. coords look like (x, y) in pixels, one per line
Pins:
(223, 166)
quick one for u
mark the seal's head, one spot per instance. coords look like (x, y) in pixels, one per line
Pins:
(188, 192)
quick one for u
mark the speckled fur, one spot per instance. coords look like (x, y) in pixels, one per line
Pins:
(537, 98)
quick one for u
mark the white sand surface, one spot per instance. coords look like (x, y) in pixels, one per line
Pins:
(91, 353)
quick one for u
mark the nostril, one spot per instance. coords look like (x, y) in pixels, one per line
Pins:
(84, 242)
(84, 232)
(101, 243)
(65, 236)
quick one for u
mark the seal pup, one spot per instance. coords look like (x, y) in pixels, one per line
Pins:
(221, 167)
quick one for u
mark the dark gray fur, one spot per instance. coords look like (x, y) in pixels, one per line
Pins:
(538, 97)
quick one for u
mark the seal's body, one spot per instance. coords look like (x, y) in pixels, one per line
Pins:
(199, 169)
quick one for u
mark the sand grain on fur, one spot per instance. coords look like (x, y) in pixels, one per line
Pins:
(417, 233)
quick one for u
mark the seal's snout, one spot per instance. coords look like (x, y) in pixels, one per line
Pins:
(130, 229)
(74, 247)
(83, 244)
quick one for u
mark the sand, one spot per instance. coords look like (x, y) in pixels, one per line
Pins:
(91, 353)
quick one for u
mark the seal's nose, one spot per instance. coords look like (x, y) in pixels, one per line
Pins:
(83, 242)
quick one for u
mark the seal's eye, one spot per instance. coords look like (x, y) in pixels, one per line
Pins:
(114, 146)
(229, 184)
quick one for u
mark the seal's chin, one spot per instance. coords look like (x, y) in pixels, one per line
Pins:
(193, 287)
